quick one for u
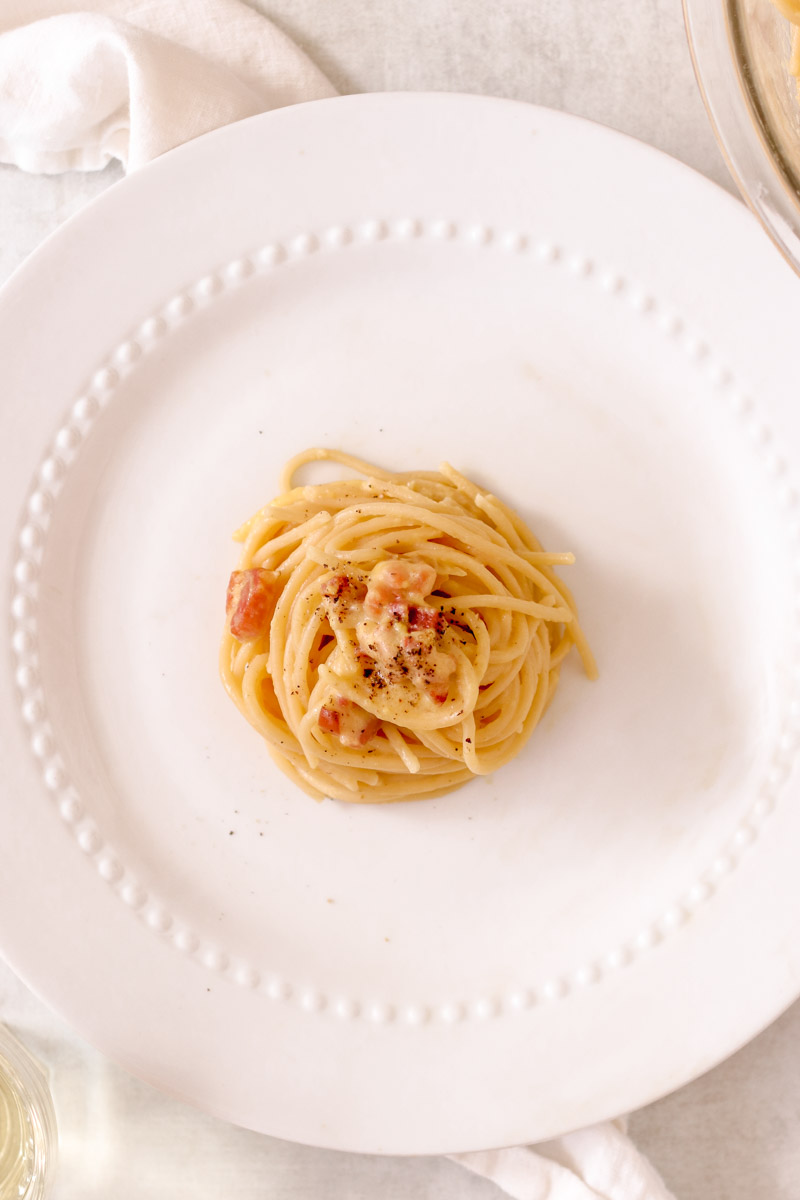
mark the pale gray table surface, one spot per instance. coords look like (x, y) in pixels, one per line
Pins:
(732, 1135)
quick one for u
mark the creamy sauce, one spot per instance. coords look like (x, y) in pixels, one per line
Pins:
(391, 635)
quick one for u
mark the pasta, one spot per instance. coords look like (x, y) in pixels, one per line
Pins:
(791, 10)
(392, 635)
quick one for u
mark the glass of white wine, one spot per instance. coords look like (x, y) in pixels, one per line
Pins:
(28, 1135)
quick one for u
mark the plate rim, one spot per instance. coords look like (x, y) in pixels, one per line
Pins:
(41, 255)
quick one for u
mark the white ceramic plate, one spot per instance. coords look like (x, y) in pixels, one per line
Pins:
(597, 334)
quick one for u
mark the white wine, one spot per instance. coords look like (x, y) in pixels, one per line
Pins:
(17, 1143)
(28, 1138)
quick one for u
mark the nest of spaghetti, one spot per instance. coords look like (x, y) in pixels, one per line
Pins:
(391, 636)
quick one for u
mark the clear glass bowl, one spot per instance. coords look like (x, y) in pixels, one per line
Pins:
(28, 1134)
(741, 51)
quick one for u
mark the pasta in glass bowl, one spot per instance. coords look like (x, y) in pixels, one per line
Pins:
(746, 56)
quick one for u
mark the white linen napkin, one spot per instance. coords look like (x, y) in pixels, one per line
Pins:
(83, 83)
(598, 1163)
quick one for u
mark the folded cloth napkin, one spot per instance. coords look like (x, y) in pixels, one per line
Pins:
(83, 83)
(598, 1163)
(129, 79)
